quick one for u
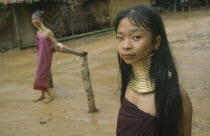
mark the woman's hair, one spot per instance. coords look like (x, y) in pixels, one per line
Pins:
(39, 14)
(163, 71)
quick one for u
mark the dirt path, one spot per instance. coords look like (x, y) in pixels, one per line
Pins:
(189, 35)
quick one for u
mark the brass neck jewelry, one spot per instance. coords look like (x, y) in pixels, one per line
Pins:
(41, 28)
(141, 82)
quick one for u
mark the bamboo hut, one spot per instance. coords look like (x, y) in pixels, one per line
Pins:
(115, 6)
(64, 17)
(178, 5)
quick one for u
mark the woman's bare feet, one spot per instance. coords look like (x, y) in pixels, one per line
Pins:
(48, 99)
(39, 99)
(42, 97)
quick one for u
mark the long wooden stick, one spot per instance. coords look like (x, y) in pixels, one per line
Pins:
(74, 52)
(87, 84)
(85, 76)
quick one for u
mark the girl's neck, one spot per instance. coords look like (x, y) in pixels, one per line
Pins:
(141, 81)
(41, 28)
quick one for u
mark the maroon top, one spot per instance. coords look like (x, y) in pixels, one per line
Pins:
(134, 122)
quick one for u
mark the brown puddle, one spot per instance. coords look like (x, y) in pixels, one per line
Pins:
(189, 35)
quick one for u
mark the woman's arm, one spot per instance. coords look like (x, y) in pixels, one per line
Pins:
(187, 113)
(54, 41)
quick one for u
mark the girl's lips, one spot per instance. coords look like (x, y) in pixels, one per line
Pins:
(128, 56)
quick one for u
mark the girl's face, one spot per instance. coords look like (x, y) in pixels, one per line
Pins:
(36, 21)
(134, 43)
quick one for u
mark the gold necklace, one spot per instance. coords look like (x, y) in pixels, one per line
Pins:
(141, 81)
(42, 28)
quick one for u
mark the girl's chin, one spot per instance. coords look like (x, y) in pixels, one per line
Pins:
(129, 62)
(36, 25)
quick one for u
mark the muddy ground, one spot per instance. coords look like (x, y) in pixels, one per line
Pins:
(189, 35)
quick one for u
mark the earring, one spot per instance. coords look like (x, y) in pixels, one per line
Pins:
(156, 48)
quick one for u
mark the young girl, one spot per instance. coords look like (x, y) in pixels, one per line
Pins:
(45, 40)
(152, 101)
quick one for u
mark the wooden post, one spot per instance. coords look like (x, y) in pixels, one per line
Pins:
(87, 84)
(199, 4)
(190, 6)
(183, 4)
(17, 31)
(51, 85)
(175, 3)
(70, 51)
(85, 76)
(206, 3)
(74, 52)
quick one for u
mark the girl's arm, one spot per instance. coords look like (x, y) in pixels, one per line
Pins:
(54, 41)
(187, 113)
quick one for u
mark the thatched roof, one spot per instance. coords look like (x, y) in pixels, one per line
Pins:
(32, 1)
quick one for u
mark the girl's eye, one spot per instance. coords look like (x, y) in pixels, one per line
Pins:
(119, 38)
(136, 37)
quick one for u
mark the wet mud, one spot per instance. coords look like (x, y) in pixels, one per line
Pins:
(67, 115)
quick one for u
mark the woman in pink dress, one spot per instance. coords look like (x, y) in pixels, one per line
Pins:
(45, 40)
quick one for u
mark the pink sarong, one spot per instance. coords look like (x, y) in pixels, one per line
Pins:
(44, 61)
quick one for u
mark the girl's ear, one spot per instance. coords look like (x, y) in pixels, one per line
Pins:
(157, 42)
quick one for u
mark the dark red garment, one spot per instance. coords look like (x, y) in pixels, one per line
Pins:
(134, 122)
(44, 61)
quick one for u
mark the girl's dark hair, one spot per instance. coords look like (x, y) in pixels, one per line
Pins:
(168, 99)
(39, 14)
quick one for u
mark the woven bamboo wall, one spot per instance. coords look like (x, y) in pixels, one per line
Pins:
(65, 19)
(7, 37)
(115, 6)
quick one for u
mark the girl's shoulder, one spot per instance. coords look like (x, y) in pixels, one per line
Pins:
(187, 105)
(187, 111)
(185, 96)
(46, 31)
(49, 32)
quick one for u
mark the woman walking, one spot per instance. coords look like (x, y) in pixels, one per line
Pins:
(45, 40)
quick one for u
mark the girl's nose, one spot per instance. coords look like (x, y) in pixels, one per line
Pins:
(127, 44)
